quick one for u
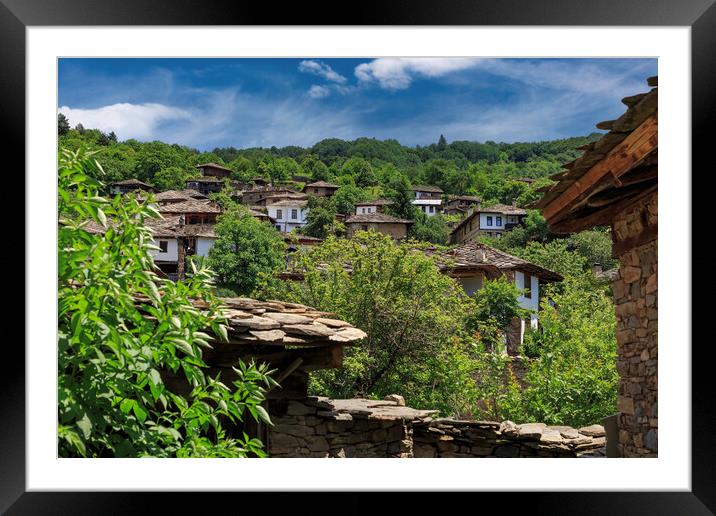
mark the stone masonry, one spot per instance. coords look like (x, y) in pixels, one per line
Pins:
(321, 427)
(636, 304)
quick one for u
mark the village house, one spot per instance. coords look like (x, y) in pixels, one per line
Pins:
(253, 195)
(170, 196)
(214, 170)
(206, 185)
(375, 206)
(492, 222)
(194, 211)
(428, 199)
(274, 197)
(615, 183)
(472, 263)
(461, 204)
(288, 214)
(380, 222)
(321, 189)
(129, 185)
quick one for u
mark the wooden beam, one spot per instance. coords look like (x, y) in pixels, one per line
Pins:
(602, 217)
(621, 159)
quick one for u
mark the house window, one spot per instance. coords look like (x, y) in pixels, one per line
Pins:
(527, 285)
(489, 220)
(163, 246)
(294, 214)
(278, 226)
(432, 209)
(364, 227)
(498, 221)
(279, 214)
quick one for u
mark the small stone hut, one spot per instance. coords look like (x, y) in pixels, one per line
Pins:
(615, 183)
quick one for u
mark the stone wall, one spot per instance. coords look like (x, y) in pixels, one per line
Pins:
(452, 438)
(320, 427)
(636, 305)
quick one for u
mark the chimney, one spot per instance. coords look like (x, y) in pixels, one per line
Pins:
(597, 269)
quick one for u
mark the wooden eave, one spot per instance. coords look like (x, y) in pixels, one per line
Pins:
(607, 183)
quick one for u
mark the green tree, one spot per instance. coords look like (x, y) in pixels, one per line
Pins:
(171, 178)
(121, 328)
(63, 125)
(320, 221)
(413, 314)
(398, 191)
(430, 229)
(244, 248)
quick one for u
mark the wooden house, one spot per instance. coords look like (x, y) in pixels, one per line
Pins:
(129, 185)
(615, 183)
(493, 222)
(428, 199)
(374, 206)
(380, 222)
(321, 189)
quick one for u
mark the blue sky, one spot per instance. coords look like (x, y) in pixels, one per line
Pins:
(207, 103)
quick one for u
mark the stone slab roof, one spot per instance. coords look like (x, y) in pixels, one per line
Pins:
(252, 321)
(375, 218)
(191, 206)
(322, 184)
(377, 202)
(130, 182)
(504, 209)
(475, 251)
(426, 188)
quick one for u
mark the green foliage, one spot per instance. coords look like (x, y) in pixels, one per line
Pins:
(245, 247)
(412, 313)
(573, 379)
(63, 125)
(121, 329)
(430, 229)
(321, 219)
(595, 245)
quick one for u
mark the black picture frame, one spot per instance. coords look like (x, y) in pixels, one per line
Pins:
(700, 15)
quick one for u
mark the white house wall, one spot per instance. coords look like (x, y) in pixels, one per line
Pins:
(470, 285)
(531, 303)
(203, 245)
(172, 254)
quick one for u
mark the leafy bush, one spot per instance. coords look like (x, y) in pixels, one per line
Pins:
(411, 312)
(244, 248)
(121, 329)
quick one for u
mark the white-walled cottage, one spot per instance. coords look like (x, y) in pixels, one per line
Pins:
(288, 214)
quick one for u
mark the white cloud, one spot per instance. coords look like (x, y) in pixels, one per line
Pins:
(318, 92)
(397, 73)
(322, 70)
(126, 120)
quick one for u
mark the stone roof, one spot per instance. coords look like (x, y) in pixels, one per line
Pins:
(468, 198)
(213, 165)
(375, 218)
(473, 251)
(191, 206)
(361, 408)
(130, 182)
(252, 321)
(426, 188)
(173, 196)
(322, 184)
(377, 202)
(207, 179)
(504, 209)
(289, 202)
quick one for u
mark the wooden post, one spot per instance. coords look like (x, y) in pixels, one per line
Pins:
(181, 259)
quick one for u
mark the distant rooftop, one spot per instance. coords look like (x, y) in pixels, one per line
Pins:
(376, 218)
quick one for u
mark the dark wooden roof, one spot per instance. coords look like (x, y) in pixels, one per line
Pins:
(613, 171)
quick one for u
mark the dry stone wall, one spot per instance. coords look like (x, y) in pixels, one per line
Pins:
(321, 427)
(636, 304)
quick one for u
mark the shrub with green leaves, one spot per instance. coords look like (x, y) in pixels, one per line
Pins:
(122, 329)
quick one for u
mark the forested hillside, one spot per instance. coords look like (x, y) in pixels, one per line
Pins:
(368, 165)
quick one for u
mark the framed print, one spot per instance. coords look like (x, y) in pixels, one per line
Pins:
(430, 235)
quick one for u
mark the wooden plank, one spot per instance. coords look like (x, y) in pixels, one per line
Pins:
(603, 217)
(624, 157)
